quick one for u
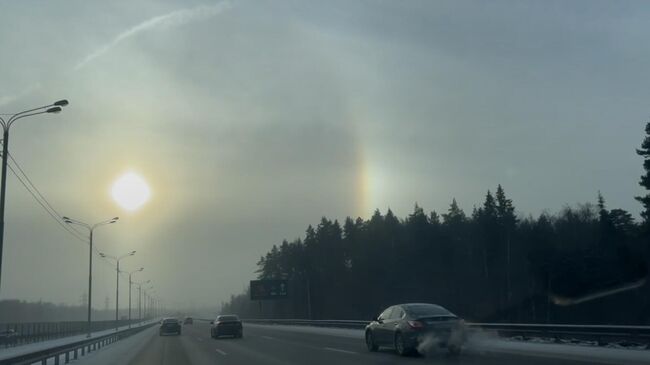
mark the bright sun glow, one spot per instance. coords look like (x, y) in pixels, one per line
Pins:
(130, 191)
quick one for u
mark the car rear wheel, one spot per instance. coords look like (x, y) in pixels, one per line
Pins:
(370, 342)
(400, 345)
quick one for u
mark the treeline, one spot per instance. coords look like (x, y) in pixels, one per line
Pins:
(489, 265)
(16, 311)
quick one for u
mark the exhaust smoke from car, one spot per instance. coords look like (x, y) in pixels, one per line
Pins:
(478, 340)
(429, 345)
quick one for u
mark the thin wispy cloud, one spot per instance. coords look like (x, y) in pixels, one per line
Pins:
(174, 19)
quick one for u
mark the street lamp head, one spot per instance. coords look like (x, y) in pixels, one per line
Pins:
(115, 218)
(142, 268)
(54, 109)
(102, 254)
(63, 102)
(132, 253)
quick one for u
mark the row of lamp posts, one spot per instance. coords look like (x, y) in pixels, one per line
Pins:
(152, 304)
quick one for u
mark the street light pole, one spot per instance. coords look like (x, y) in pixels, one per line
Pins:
(140, 298)
(90, 229)
(148, 302)
(144, 303)
(130, 283)
(52, 108)
(151, 288)
(117, 260)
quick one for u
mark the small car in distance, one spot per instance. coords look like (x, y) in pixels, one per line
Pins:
(188, 320)
(408, 327)
(170, 326)
(227, 325)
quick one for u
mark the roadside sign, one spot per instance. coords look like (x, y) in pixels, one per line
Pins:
(269, 289)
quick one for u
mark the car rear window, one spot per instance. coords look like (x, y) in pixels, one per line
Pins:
(228, 318)
(170, 320)
(424, 310)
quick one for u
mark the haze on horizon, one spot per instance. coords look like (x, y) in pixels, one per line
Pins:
(250, 120)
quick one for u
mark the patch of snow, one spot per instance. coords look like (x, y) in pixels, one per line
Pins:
(120, 352)
(44, 345)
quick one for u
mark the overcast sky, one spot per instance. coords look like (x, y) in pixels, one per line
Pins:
(252, 119)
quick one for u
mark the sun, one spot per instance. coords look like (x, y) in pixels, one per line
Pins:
(130, 191)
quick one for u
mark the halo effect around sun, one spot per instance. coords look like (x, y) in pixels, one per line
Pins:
(130, 191)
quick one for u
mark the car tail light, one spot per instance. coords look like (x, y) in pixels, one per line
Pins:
(416, 324)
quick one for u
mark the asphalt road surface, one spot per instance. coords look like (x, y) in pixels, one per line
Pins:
(266, 345)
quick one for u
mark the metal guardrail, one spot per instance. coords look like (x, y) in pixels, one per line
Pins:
(602, 334)
(73, 351)
(14, 334)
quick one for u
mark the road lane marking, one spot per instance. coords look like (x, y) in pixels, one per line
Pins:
(339, 350)
(268, 337)
(221, 352)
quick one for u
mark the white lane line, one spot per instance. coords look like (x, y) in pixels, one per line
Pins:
(339, 350)
(221, 352)
(268, 337)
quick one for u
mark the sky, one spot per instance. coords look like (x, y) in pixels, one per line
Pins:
(250, 120)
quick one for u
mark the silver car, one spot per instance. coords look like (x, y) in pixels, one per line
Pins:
(416, 327)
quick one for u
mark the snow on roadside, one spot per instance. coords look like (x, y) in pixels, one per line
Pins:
(120, 352)
(485, 342)
(488, 342)
(43, 345)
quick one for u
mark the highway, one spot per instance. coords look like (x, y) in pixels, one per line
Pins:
(275, 345)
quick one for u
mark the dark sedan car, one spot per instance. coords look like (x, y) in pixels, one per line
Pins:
(170, 326)
(409, 327)
(227, 325)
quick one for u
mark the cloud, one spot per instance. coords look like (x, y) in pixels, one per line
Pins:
(173, 19)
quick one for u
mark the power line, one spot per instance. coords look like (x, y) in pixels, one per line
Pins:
(60, 217)
(45, 204)
(56, 218)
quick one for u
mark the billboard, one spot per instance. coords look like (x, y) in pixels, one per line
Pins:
(269, 289)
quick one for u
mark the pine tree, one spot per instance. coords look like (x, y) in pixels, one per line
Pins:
(489, 209)
(602, 210)
(607, 229)
(434, 219)
(505, 209)
(644, 151)
(455, 215)
(507, 222)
